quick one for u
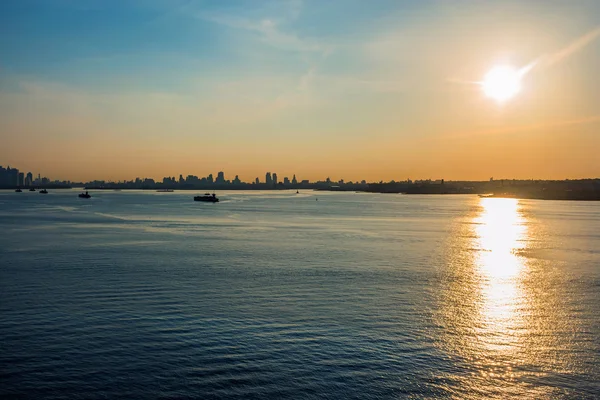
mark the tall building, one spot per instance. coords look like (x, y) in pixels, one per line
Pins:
(294, 181)
(237, 181)
(14, 176)
(3, 176)
(257, 181)
(21, 179)
(220, 177)
(268, 180)
(209, 178)
(9, 176)
(29, 179)
(286, 181)
(274, 179)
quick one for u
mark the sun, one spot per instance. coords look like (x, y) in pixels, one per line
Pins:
(502, 83)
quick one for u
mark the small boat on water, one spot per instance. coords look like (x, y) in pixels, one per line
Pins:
(210, 198)
(18, 190)
(85, 195)
(32, 190)
(297, 192)
(165, 190)
(43, 191)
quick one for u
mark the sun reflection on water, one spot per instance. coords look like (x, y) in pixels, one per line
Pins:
(506, 314)
(484, 303)
(500, 231)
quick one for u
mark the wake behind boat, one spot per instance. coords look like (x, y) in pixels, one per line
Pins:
(210, 198)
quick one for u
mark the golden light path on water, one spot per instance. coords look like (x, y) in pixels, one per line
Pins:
(500, 229)
(503, 313)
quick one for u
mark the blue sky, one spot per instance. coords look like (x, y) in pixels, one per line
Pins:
(333, 78)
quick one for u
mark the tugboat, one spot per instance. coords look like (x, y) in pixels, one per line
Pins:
(18, 190)
(210, 198)
(43, 191)
(32, 190)
(85, 195)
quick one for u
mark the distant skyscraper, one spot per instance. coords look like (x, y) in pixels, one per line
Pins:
(10, 176)
(220, 177)
(257, 181)
(286, 181)
(29, 179)
(21, 179)
(268, 180)
(294, 181)
(274, 179)
(237, 181)
(209, 178)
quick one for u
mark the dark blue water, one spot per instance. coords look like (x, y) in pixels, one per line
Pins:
(277, 295)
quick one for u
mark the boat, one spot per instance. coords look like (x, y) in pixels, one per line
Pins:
(165, 190)
(43, 191)
(85, 195)
(32, 190)
(297, 192)
(210, 198)
(18, 190)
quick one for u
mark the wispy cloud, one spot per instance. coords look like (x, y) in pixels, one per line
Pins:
(550, 59)
(573, 47)
(270, 30)
(530, 127)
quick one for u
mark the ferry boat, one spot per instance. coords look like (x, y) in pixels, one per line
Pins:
(18, 190)
(85, 195)
(210, 198)
(43, 191)
(32, 190)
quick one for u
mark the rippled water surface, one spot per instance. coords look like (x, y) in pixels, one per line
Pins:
(277, 295)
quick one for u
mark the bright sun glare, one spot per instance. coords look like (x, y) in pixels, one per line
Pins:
(501, 83)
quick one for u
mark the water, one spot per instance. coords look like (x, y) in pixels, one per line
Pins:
(277, 295)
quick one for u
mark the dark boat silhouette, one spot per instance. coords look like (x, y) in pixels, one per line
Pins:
(32, 190)
(85, 195)
(209, 198)
(18, 191)
(43, 191)
(297, 192)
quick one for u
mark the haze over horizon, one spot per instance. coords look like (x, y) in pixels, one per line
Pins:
(346, 89)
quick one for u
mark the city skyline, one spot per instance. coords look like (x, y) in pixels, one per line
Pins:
(356, 90)
(13, 177)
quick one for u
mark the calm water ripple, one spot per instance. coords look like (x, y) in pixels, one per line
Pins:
(274, 295)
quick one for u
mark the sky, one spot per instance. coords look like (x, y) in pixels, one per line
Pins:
(353, 89)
